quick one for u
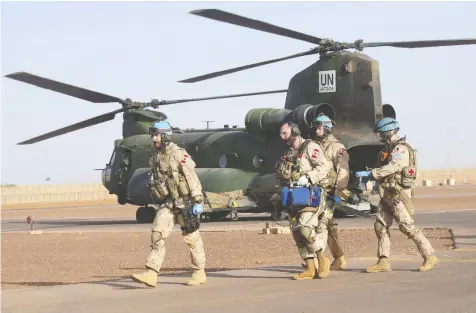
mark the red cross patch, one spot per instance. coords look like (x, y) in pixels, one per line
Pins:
(411, 172)
(315, 152)
(342, 151)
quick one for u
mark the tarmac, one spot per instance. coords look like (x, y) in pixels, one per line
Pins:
(450, 287)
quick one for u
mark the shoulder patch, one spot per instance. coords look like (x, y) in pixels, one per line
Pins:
(184, 159)
(342, 151)
(315, 153)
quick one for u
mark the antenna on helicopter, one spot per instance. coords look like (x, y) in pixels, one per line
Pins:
(208, 123)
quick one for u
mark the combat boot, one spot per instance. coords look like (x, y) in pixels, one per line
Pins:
(198, 277)
(324, 265)
(382, 265)
(339, 263)
(310, 271)
(428, 264)
(149, 278)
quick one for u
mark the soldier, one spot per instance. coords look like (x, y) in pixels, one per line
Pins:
(174, 181)
(396, 174)
(305, 164)
(337, 156)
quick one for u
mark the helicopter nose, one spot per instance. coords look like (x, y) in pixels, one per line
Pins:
(106, 176)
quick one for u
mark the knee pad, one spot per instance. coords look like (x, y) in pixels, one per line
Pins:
(379, 228)
(300, 242)
(306, 233)
(409, 230)
(156, 238)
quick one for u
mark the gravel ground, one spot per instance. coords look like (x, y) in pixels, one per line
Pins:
(54, 259)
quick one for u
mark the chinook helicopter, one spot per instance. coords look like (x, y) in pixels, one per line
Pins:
(236, 166)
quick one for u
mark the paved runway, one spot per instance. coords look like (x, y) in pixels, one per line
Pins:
(455, 218)
(449, 287)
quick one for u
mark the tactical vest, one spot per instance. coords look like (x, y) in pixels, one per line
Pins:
(329, 158)
(404, 178)
(167, 180)
(289, 169)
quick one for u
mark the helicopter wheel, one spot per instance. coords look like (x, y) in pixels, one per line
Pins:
(278, 215)
(145, 214)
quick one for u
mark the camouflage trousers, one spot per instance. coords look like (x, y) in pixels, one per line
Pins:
(164, 221)
(310, 234)
(390, 208)
(332, 239)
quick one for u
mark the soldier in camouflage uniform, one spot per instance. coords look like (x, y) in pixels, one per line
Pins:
(337, 156)
(305, 164)
(175, 182)
(396, 174)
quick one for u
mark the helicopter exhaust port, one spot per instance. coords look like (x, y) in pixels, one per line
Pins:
(267, 121)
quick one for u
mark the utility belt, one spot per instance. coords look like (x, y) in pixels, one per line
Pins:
(400, 195)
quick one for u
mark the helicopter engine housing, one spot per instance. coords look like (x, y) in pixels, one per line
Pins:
(267, 121)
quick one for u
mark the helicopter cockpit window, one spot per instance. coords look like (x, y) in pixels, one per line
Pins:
(113, 156)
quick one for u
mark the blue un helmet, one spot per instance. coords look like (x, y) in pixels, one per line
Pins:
(161, 127)
(164, 130)
(386, 127)
(323, 120)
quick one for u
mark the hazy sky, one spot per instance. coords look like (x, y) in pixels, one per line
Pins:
(141, 50)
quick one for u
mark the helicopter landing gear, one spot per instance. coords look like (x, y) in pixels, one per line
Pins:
(278, 215)
(145, 214)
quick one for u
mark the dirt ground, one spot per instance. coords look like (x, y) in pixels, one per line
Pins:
(54, 259)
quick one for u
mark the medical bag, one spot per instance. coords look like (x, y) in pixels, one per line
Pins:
(300, 196)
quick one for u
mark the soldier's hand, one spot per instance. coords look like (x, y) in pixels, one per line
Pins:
(303, 181)
(336, 199)
(197, 208)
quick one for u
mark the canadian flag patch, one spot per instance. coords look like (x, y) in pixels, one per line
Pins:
(185, 156)
(315, 152)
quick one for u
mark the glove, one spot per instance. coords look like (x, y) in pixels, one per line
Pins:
(336, 199)
(303, 181)
(197, 208)
(363, 174)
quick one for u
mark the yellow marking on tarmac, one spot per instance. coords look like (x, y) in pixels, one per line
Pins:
(416, 260)
(465, 249)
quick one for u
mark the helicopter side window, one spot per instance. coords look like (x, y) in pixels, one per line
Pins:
(126, 159)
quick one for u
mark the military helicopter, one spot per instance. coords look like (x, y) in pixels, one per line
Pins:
(236, 165)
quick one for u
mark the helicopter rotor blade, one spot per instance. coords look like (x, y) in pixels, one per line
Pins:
(235, 19)
(83, 124)
(420, 43)
(165, 102)
(245, 67)
(63, 88)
